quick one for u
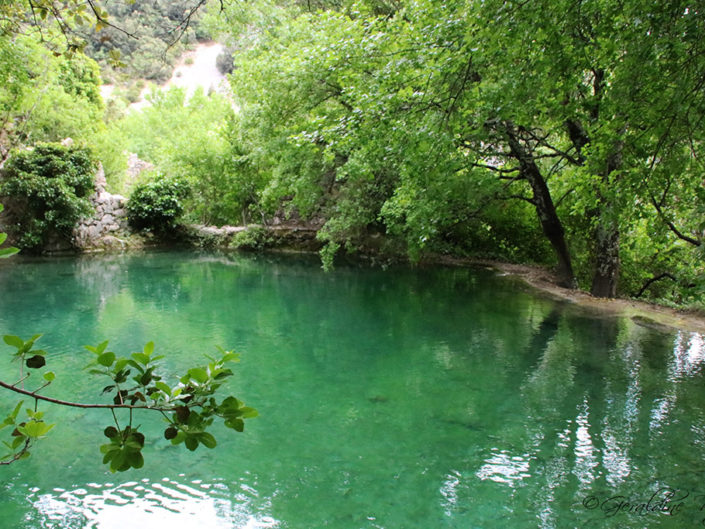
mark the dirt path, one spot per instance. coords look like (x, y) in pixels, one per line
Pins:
(195, 69)
(641, 312)
(198, 68)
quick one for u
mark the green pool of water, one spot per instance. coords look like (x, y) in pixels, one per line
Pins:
(406, 398)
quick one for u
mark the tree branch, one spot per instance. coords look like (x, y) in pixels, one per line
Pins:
(672, 227)
(557, 152)
(496, 169)
(522, 197)
(37, 396)
(558, 202)
(653, 280)
(18, 455)
(186, 22)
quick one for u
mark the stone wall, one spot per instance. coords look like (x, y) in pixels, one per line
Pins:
(254, 237)
(107, 228)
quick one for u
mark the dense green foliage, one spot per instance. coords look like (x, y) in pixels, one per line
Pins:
(545, 131)
(47, 189)
(188, 138)
(157, 205)
(8, 250)
(44, 97)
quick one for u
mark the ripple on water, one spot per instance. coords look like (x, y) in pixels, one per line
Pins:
(502, 467)
(165, 504)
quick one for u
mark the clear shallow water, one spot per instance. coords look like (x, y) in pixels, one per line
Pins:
(429, 398)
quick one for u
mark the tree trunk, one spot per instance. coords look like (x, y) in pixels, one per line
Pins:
(606, 274)
(545, 209)
(607, 264)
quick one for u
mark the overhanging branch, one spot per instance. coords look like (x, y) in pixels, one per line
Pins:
(70, 404)
(672, 227)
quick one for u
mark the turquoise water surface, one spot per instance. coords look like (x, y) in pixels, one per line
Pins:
(401, 398)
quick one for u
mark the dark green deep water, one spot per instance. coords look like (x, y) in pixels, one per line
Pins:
(406, 398)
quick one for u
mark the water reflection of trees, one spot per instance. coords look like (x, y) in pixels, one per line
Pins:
(609, 406)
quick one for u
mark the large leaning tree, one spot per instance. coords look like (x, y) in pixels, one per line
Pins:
(432, 121)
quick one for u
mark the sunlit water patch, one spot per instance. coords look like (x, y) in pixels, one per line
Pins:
(407, 398)
(171, 503)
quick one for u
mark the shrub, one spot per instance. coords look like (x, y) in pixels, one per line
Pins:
(46, 190)
(254, 238)
(225, 62)
(157, 205)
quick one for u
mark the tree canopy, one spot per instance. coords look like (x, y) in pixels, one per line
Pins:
(519, 129)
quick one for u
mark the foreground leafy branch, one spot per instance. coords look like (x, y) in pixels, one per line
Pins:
(189, 406)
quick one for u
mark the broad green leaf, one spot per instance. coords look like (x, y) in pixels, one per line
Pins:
(207, 440)
(231, 403)
(132, 445)
(120, 364)
(14, 341)
(236, 424)
(136, 460)
(220, 374)
(108, 448)
(231, 357)
(35, 429)
(198, 374)
(248, 413)
(191, 442)
(106, 359)
(10, 419)
(36, 415)
(7, 252)
(97, 349)
(180, 438)
(16, 411)
(161, 386)
(141, 358)
(118, 461)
